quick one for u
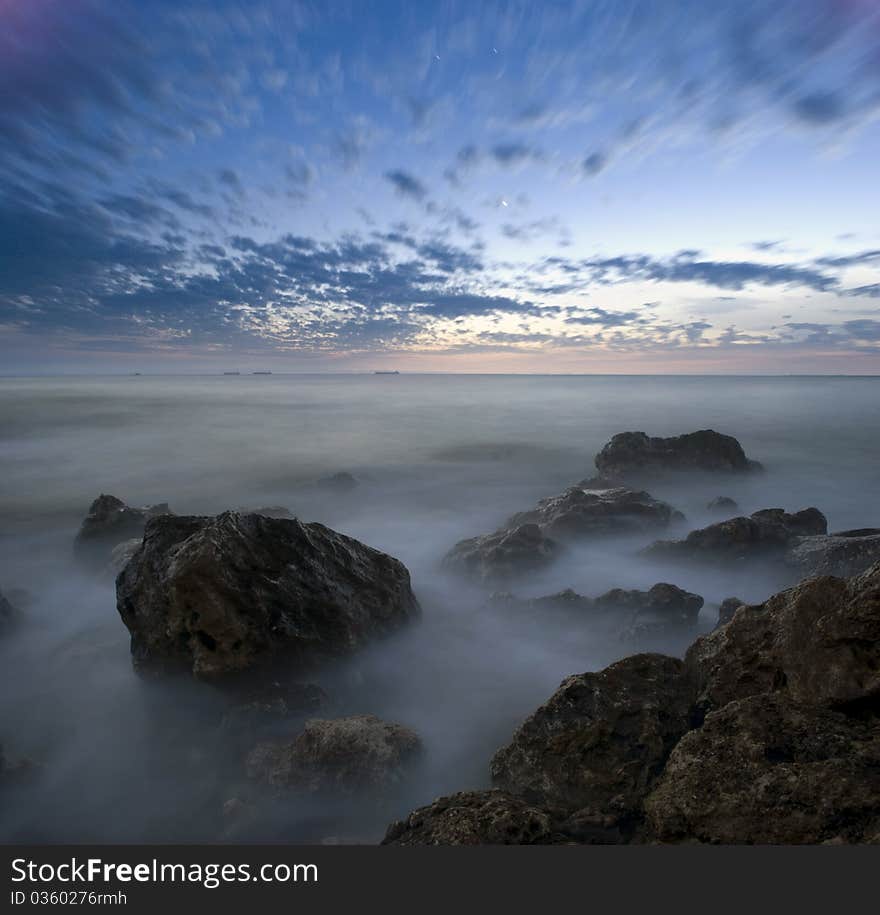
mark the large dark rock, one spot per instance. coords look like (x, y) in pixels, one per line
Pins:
(110, 522)
(764, 534)
(529, 541)
(503, 555)
(217, 595)
(766, 770)
(597, 745)
(475, 818)
(727, 608)
(819, 641)
(844, 553)
(338, 756)
(632, 455)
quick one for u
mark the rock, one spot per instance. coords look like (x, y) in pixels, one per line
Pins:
(16, 772)
(271, 706)
(765, 770)
(121, 554)
(728, 607)
(766, 533)
(723, 504)
(634, 454)
(339, 756)
(820, 641)
(270, 511)
(216, 595)
(109, 522)
(9, 616)
(529, 541)
(474, 818)
(338, 482)
(580, 513)
(502, 555)
(599, 742)
(663, 610)
(845, 553)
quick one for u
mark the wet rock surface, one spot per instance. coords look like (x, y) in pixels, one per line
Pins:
(600, 741)
(338, 755)
(634, 454)
(764, 534)
(218, 595)
(767, 770)
(723, 504)
(475, 818)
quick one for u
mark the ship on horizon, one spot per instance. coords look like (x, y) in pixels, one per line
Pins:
(386, 372)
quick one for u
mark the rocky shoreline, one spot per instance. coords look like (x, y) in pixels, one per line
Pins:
(766, 731)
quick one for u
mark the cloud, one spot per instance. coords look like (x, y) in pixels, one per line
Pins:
(406, 184)
(595, 163)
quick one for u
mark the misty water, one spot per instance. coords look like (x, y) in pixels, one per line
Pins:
(438, 458)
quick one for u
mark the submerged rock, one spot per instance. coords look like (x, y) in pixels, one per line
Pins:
(338, 482)
(271, 706)
(503, 555)
(634, 454)
(216, 595)
(109, 522)
(663, 611)
(474, 818)
(9, 616)
(766, 533)
(600, 741)
(722, 504)
(765, 770)
(338, 755)
(529, 541)
(844, 553)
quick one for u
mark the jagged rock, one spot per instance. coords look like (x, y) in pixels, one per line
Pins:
(474, 818)
(820, 641)
(109, 522)
(723, 504)
(728, 607)
(844, 553)
(766, 770)
(339, 755)
(634, 454)
(766, 533)
(579, 513)
(503, 555)
(529, 541)
(217, 595)
(9, 616)
(599, 742)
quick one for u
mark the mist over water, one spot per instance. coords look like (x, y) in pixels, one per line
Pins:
(439, 458)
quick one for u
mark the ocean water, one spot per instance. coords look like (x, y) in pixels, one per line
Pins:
(438, 458)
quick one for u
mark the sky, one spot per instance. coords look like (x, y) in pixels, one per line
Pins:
(615, 186)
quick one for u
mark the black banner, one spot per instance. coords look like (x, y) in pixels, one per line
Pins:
(316, 879)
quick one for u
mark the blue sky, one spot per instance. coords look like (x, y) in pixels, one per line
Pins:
(626, 186)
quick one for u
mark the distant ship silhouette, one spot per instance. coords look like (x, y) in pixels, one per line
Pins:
(394, 372)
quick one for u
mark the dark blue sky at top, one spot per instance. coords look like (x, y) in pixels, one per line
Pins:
(569, 186)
